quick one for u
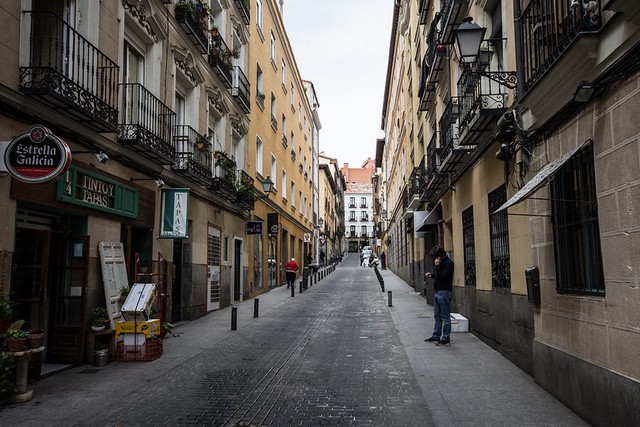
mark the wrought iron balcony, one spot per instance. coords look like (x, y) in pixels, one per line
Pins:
(451, 151)
(352, 205)
(353, 219)
(434, 180)
(414, 184)
(240, 89)
(192, 18)
(432, 65)
(243, 7)
(363, 205)
(482, 96)
(549, 28)
(424, 9)
(193, 154)
(220, 59)
(245, 194)
(451, 12)
(146, 124)
(224, 176)
(66, 72)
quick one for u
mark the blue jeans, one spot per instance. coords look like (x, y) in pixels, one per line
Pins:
(442, 315)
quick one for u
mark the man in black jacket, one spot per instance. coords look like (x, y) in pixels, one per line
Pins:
(443, 286)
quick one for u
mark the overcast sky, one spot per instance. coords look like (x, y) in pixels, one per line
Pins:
(342, 46)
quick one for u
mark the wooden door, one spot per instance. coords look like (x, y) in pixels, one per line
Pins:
(68, 320)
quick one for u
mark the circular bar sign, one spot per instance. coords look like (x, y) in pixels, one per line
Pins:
(37, 156)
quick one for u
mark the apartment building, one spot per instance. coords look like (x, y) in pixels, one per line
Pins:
(358, 205)
(331, 217)
(283, 129)
(519, 157)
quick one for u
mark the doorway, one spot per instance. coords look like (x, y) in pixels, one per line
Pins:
(213, 268)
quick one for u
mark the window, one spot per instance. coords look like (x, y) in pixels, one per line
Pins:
(259, 155)
(352, 215)
(273, 170)
(352, 230)
(259, 14)
(575, 226)
(284, 76)
(284, 126)
(352, 202)
(274, 122)
(499, 236)
(364, 216)
(225, 249)
(292, 97)
(284, 184)
(259, 85)
(363, 231)
(363, 202)
(300, 205)
(468, 242)
(273, 49)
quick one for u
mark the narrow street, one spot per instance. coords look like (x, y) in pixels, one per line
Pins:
(335, 355)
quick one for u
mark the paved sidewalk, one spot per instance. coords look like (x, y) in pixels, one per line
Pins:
(465, 384)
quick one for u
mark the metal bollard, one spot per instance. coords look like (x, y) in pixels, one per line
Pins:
(390, 299)
(300, 287)
(256, 304)
(293, 291)
(382, 285)
(234, 318)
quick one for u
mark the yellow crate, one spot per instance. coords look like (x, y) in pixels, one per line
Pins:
(149, 327)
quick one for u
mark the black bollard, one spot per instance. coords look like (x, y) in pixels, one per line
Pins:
(256, 304)
(293, 291)
(390, 299)
(382, 285)
(234, 318)
(300, 287)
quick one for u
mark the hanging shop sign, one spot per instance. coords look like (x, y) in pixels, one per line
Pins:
(91, 190)
(173, 208)
(254, 227)
(272, 224)
(37, 156)
(307, 237)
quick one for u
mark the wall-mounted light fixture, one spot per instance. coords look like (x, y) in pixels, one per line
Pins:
(100, 155)
(584, 92)
(267, 188)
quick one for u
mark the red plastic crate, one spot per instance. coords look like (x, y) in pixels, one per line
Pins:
(150, 350)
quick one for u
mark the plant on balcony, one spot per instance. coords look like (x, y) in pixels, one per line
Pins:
(196, 11)
(202, 143)
(214, 31)
(245, 194)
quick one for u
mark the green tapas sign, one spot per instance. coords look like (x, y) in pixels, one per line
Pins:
(91, 190)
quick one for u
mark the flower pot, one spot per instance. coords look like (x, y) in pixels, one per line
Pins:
(98, 328)
(15, 345)
(35, 340)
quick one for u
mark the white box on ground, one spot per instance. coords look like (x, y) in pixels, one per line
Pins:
(137, 306)
(134, 339)
(459, 323)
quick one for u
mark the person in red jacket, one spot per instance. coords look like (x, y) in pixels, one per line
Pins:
(290, 269)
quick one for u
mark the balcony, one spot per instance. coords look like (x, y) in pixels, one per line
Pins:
(220, 60)
(451, 12)
(245, 194)
(352, 234)
(482, 97)
(146, 124)
(452, 153)
(413, 188)
(193, 154)
(240, 89)
(364, 218)
(432, 65)
(192, 18)
(243, 7)
(353, 219)
(69, 74)
(434, 181)
(363, 205)
(352, 205)
(424, 10)
(223, 183)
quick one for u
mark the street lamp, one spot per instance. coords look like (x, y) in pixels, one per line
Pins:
(267, 187)
(469, 36)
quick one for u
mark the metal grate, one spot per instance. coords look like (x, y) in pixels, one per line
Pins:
(499, 235)
(469, 247)
(576, 228)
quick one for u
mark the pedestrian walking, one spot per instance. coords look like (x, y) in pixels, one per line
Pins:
(383, 260)
(290, 269)
(443, 286)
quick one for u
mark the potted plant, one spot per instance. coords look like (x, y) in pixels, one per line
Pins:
(166, 328)
(124, 293)
(35, 338)
(5, 313)
(202, 143)
(99, 318)
(15, 338)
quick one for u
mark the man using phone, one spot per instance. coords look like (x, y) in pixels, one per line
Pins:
(443, 286)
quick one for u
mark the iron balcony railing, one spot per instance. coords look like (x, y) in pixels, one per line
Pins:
(69, 73)
(146, 124)
(431, 64)
(245, 193)
(482, 90)
(220, 59)
(240, 89)
(549, 27)
(415, 182)
(224, 181)
(432, 157)
(423, 10)
(192, 18)
(244, 8)
(449, 128)
(193, 154)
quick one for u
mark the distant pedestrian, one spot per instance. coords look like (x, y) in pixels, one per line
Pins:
(443, 286)
(290, 270)
(322, 256)
(383, 260)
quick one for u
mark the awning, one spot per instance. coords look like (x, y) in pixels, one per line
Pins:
(540, 179)
(430, 218)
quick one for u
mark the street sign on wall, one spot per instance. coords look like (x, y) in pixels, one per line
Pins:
(173, 208)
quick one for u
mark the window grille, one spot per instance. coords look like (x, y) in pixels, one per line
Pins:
(499, 235)
(469, 247)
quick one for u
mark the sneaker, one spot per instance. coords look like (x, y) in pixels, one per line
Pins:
(443, 342)
(433, 339)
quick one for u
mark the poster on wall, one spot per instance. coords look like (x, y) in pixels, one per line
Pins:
(173, 210)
